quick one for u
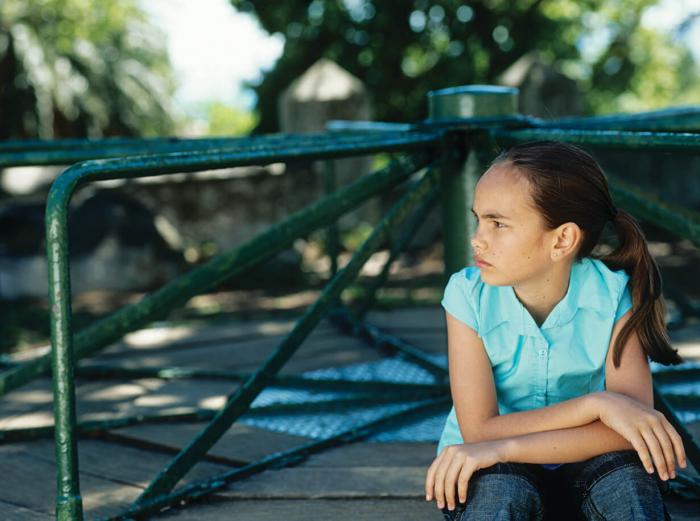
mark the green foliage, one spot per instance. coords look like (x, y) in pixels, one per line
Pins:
(225, 120)
(81, 68)
(401, 50)
(353, 238)
(662, 74)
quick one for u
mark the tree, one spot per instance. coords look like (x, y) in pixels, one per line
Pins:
(226, 120)
(81, 68)
(401, 50)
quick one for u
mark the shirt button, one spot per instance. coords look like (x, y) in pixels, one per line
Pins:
(543, 353)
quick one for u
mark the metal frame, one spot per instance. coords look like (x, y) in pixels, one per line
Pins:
(447, 150)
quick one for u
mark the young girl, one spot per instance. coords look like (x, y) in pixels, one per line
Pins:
(548, 353)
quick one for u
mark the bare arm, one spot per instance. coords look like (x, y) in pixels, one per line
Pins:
(565, 445)
(629, 389)
(632, 378)
(622, 418)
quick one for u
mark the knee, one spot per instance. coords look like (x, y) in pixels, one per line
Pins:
(510, 494)
(626, 492)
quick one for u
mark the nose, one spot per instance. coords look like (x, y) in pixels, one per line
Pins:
(477, 242)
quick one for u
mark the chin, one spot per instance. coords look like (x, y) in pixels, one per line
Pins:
(494, 279)
(490, 278)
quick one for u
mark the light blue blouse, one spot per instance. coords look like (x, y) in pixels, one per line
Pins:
(538, 366)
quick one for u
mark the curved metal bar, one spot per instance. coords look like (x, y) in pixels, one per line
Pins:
(245, 394)
(69, 502)
(67, 152)
(202, 278)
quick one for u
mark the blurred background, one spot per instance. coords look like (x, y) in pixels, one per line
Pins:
(91, 69)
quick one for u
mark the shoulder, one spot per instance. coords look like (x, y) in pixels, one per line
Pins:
(609, 288)
(467, 279)
(607, 280)
(606, 273)
(462, 295)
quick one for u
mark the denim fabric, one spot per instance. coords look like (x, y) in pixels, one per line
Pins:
(610, 487)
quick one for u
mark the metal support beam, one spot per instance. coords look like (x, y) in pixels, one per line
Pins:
(458, 224)
(241, 400)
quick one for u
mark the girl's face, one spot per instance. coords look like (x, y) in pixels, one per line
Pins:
(511, 245)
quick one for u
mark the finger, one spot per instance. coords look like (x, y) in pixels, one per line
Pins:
(666, 448)
(642, 450)
(656, 452)
(430, 478)
(677, 441)
(440, 480)
(463, 482)
(434, 476)
(451, 476)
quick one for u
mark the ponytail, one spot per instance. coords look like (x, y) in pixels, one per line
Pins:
(649, 309)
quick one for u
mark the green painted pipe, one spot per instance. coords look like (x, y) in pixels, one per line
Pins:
(291, 457)
(194, 414)
(673, 119)
(245, 394)
(372, 334)
(69, 502)
(692, 450)
(290, 381)
(644, 205)
(157, 304)
(398, 246)
(67, 152)
(686, 143)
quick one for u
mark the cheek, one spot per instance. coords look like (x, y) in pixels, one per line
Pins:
(527, 254)
(511, 246)
(530, 248)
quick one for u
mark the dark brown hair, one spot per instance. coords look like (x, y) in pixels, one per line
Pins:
(568, 185)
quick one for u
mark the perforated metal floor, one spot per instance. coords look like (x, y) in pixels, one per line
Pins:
(323, 425)
(396, 369)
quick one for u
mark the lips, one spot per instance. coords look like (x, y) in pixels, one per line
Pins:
(480, 262)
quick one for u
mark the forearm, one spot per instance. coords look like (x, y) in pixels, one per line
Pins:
(574, 412)
(564, 445)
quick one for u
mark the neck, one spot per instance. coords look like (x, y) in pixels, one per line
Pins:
(539, 296)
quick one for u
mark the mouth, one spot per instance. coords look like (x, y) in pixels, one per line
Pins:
(480, 262)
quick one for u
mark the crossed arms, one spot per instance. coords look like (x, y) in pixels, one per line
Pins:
(622, 417)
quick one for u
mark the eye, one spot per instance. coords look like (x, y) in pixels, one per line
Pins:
(499, 224)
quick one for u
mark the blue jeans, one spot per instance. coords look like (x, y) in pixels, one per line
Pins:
(612, 486)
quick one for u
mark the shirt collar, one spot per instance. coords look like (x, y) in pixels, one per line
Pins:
(586, 290)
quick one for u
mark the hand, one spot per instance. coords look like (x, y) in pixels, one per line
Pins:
(453, 467)
(648, 430)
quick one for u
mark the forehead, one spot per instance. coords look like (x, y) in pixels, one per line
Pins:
(504, 190)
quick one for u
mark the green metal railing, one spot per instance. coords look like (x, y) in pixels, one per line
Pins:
(436, 161)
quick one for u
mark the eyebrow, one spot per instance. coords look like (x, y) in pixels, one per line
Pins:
(491, 215)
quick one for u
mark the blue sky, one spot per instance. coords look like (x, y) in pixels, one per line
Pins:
(214, 48)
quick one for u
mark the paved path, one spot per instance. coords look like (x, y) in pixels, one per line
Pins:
(358, 481)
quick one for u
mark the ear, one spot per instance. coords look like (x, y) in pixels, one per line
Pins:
(565, 241)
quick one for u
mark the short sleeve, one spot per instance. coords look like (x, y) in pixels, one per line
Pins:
(625, 303)
(459, 297)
